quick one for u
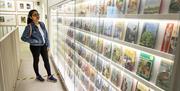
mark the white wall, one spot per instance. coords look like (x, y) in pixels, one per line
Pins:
(52, 2)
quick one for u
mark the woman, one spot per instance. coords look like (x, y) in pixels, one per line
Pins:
(36, 35)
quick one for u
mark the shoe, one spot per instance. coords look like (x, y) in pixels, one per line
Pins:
(39, 78)
(51, 79)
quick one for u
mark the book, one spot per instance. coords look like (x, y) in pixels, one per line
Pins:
(127, 83)
(86, 83)
(164, 75)
(117, 54)
(80, 62)
(110, 4)
(132, 32)
(88, 38)
(101, 7)
(98, 82)
(120, 6)
(93, 60)
(108, 27)
(107, 49)
(86, 69)
(99, 44)
(152, 7)
(101, 26)
(119, 30)
(91, 88)
(116, 77)
(92, 74)
(174, 6)
(167, 37)
(88, 56)
(141, 87)
(106, 72)
(99, 64)
(94, 25)
(174, 40)
(148, 35)
(145, 66)
(105, 86)
(129, 59)
(133, 6)
(92, 43)
(111, 88)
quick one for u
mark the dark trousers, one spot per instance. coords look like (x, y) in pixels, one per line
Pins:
(36, 51)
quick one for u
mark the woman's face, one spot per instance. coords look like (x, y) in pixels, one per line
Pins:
(35, 16)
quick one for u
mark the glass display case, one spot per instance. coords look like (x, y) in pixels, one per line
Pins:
(116, 45)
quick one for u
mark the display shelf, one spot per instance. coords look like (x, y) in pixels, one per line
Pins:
(134, 75)
(146, 16)
(169, 16)
(80, 69)
(100, 74)
(127, 44)
(64, 78)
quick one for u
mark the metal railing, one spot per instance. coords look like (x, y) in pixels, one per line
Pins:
(9, 60)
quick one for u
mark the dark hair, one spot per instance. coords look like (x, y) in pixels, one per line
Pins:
(29, 20)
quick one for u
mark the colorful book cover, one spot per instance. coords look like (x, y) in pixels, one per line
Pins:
(80, 62)
(133, 6)
(174, 6)
(92, 43)
(110, 8)
(111, 88)
(84, 39)
(132, 32)
(129, 59)
(106, 70)
(92, 74)
(174, 40)
(99, 44)
(86, 83)
(107, 49)
(142, 87)
(164, 76)
(87, 24)
(94, 26)
(108, 27)
(116, 77)
(105, 86)
(102, 7)
(148, 35)
(152, 7)
(98, 82)
(145, 66)
(91, 88)
(117, 54)
(88, 38)
(167, 37)
(88, 56)
(93, 60)
(119, 30)
(99, 64)
(127, 83)
(86, 69)
(101, 27)
(120, 6)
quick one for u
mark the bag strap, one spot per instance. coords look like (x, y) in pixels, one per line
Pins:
(30, 32)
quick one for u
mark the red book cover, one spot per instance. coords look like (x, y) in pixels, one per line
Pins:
(167, 37)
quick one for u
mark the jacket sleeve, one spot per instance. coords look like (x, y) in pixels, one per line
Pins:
(26, 37)
(47, 38)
